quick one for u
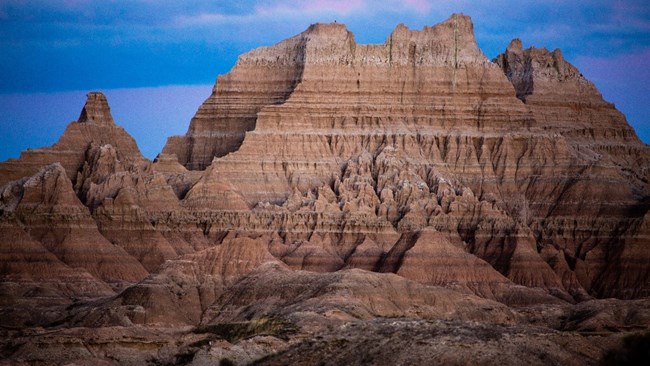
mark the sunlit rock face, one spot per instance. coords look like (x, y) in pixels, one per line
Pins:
(325, 182)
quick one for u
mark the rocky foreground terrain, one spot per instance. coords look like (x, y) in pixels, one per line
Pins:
(336, 203)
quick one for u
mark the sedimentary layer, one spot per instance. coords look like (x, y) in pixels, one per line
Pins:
(415, 168)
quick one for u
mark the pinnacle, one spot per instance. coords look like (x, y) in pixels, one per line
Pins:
(96, 110)
(515, 46)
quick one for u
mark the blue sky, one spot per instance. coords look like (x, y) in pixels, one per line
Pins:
(157, 59)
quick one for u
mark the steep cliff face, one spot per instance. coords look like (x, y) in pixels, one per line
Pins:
(609, 199)
(353, 99)
(265, 76)
(324, 69)
(424, 131)
(564, 101)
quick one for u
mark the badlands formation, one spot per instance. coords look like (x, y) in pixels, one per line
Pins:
(410, 202)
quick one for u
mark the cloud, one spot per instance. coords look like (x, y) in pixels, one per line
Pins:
(316, 6)
(582, 24)
(273, 11)
(317, 10)
(418, 5)
(205, 18)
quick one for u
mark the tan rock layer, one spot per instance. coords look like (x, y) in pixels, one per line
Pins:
(510, 180)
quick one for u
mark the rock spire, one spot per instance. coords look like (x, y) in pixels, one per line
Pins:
(96, 110)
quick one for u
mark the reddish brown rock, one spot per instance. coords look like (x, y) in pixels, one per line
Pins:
(28, 267)
(345, 295)
(95, 125)
(480, 196)
(318, 162)
(223, 119)
(54, 216)
(183, 288)
(348, 155)
(437, 259)
(483, 165)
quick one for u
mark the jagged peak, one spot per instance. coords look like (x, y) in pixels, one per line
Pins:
(319, 43)
(49, 187)
(515, 46)
(533, 70)
(460, 19)
(401, 27)
(542, 63)
(454, 37)
(96, 110)
(459, 24)
(334, 43)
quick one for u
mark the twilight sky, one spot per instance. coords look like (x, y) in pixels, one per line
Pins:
(156, 60)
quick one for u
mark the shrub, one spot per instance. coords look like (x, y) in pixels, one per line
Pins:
(233, 332)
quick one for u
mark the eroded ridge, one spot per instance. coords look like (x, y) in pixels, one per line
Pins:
(325, 188)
